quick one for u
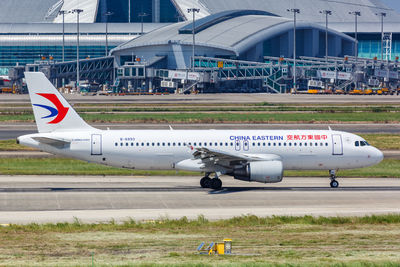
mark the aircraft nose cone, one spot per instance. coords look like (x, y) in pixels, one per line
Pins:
(378, 155)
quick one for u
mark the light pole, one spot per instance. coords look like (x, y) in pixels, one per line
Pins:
(194, 11)
(77, 11)
(63, 12)
(356, 15)
(295, 11)
(142, 15)
(327, 13)
(382, 14)
(108, 14)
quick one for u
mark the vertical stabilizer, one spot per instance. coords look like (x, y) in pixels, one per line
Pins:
(52, 112)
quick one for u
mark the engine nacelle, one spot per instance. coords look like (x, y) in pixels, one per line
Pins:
(260, 171)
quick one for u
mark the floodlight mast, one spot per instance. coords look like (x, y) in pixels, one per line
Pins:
(295, 11)
(194, 11)
(77, 11)
(326, 13)
(108, 14)
(382, 14)
(63, 12)
(356, 15)
(142, 15)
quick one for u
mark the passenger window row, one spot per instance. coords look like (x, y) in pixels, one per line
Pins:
(171, 144)
(158, 144)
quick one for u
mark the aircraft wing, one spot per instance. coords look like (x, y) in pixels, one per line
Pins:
(225, 159)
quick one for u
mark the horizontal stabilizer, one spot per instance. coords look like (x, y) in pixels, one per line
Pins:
(59, 143)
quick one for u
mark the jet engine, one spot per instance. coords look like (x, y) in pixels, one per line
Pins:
(260, 171)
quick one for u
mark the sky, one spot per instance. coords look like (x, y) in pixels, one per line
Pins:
(395, 4)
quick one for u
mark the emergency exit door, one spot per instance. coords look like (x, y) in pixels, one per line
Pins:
(237, 145)
(246, 145)
(96, 144)
(337, 144)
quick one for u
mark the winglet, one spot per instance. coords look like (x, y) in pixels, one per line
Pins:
(52, 112)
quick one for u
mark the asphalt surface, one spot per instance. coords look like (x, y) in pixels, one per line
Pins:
(26, 199)
(13, 130)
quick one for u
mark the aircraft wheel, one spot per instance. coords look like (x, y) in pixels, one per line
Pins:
(216, 184)
(334, 184)
(205, 182)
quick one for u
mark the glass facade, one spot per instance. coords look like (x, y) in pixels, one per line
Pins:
(22, 55)
(168, 12)
(369, 45)
(372, 48)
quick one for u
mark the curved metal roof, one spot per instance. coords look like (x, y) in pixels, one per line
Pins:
(219, 17)
(237, 34)
(309, 9)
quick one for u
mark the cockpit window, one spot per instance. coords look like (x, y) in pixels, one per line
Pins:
(364, 143)
(361, 143)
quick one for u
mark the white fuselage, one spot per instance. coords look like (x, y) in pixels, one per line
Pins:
(162, 149)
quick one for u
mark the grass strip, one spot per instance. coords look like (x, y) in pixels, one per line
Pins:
(272, 241)
(246, 117)
(238, 108)
(62, 166)
(11, 145)
(184, 223)
(383, 141)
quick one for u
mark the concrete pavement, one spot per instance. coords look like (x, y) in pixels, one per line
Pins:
(26, 199)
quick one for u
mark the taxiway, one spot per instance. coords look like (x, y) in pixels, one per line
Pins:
(27, 199)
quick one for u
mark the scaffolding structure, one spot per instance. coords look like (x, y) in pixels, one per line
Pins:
(387, 45)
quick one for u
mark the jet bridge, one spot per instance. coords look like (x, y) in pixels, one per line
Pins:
(222, 70)
(100, 70)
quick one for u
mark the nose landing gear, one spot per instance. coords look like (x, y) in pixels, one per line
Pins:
(207, 182)
(334, 183)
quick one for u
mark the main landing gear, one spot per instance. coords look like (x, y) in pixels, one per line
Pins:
(334, 183)
(207, 182)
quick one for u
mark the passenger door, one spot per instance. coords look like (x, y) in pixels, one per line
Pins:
(96, 145)
(337, 144)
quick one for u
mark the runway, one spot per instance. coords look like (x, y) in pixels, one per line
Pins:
(26, 199)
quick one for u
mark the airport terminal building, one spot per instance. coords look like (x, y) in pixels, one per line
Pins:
(148, 36)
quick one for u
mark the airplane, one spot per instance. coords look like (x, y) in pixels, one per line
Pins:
(247, 155)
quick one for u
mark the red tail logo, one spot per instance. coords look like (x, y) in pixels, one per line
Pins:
(59, 112)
